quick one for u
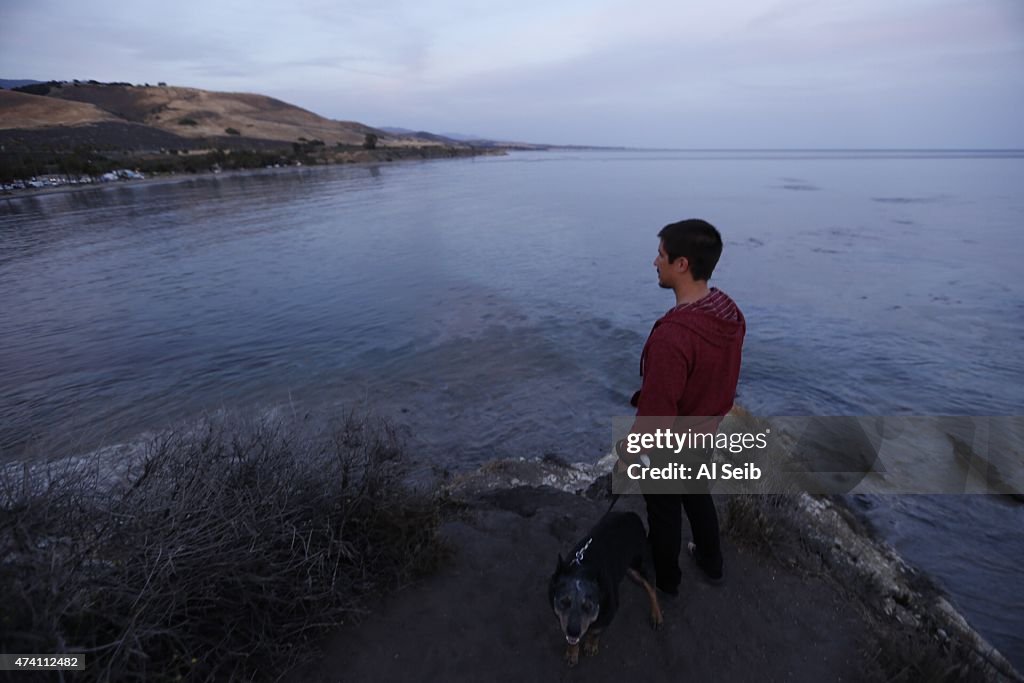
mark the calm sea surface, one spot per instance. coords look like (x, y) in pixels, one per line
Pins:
(496, 307)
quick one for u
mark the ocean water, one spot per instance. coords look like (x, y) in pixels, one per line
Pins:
(496, 307)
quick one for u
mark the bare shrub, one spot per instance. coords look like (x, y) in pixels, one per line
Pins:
(221, 552)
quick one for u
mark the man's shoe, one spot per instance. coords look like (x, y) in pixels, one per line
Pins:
(714, 578)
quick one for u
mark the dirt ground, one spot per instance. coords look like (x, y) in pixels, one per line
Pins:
(485, 616)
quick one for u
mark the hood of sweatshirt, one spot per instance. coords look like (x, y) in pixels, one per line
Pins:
(716, 318)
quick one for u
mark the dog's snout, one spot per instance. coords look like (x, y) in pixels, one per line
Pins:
(574, 627)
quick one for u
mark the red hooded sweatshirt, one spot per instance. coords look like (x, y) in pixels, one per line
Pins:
(691, 361)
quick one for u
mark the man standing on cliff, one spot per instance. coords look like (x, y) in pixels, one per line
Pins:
(690, 366)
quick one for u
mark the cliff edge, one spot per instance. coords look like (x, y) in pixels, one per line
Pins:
(808, 596)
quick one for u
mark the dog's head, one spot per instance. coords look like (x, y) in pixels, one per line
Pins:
(575, 597)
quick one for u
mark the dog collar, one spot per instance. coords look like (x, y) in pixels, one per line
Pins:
(578, 559)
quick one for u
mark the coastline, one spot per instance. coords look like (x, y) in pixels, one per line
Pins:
(811, 593)
(804, 575)
(384, 155)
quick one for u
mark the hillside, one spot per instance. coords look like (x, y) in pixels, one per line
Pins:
(187, 113)
(85, 131)
(21, 110)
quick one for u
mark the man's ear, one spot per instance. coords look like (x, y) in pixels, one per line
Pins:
(681, 264)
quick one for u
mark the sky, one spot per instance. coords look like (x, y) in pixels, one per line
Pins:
(644, 73)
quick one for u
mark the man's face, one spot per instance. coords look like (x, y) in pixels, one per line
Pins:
(668, 273)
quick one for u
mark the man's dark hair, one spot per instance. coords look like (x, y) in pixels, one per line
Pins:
(698, 241)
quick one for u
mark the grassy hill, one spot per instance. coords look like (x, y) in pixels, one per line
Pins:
(88, 128)
(187, 113)
(21, 110)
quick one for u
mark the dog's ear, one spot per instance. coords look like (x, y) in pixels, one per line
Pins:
(561, 564)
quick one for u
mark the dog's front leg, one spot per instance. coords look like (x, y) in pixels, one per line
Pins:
(590, 643)
(572, 654)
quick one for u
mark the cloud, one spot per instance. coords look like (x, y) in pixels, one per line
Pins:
(540, 69)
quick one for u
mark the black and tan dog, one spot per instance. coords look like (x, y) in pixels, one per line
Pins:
(584, 591)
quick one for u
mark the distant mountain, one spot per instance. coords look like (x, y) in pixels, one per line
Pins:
(187, 114)
(462, 137)
(394, 130)
(419, 135)
(7, 83)
(457, 137)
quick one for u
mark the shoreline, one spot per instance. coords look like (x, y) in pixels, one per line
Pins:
(384, 155)
(798, 565)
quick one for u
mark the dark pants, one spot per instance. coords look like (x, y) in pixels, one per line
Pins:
(665, 534)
